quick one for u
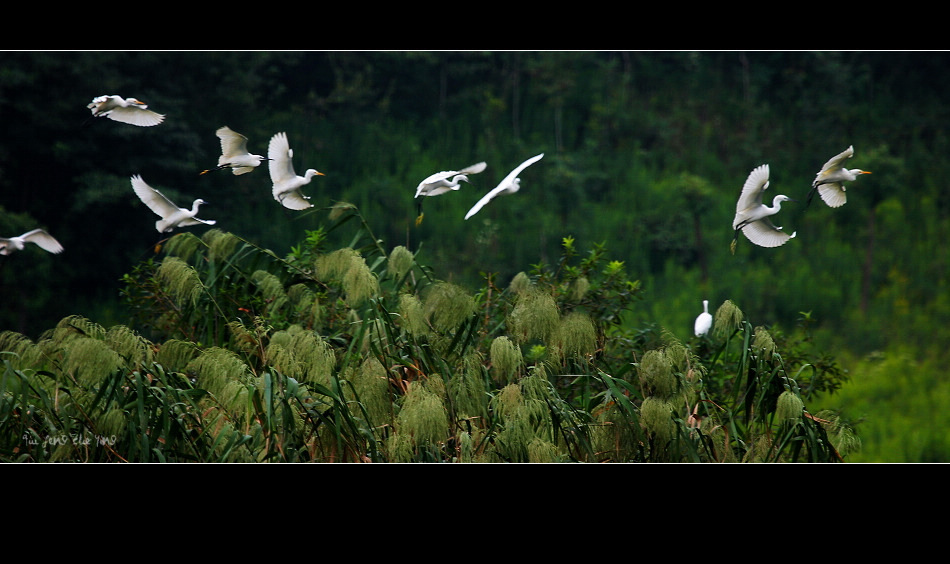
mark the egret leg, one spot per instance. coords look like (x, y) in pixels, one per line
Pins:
(215, 168)
(811, 194)
(419, 210)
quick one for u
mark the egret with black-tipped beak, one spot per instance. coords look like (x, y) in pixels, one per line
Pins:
(171, 215)
(125, 110)
(753, 217)
(442, 182)
(509, 185)
(703, 321)
(287, 184)
(234, 153)
(38, 237)
(829, 181)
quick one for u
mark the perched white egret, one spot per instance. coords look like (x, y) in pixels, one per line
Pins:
(828, 183)
(38, 237)
(126, 110)
(509, 185)
(171, 215)
(234, 153)
(444, 181)
(752, 216)
(703, 321)
(286, 182)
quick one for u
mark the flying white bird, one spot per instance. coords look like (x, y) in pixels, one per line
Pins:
(38, 237)
(703, 321)
(509, 185)
(444, 181)
(234, 153)
(752, 216)
(171, 215)
(828, 183)
(439, 183)
(286, 182)
(126, 110)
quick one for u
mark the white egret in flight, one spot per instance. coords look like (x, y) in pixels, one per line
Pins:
(39, 237)
(752, 216)
(125, 110)
(286, 182)
(444, 181)
(703, 321)
(509, 185)
(171, 215)
(828, 183)
(234, 153)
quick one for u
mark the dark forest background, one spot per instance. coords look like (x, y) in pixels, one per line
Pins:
(644, 151)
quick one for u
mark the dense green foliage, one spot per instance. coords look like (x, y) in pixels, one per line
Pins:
(356, 354)
(644, 151)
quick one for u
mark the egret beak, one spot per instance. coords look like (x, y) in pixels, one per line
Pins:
(320, 173)
(865, 172)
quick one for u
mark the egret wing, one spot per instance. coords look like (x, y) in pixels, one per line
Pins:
(43, 239)
(155, 200)
(280, 154)
(764, 233)
(473, 169)
(835, 163)
(755, 185)
(485, 199)
(136, 116)
(294, 200)
(195, 221)
(833, 194)
(232, 144)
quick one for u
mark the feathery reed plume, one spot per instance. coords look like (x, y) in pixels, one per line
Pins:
(370, 384)
(447, 305)
(506, 359)
(789, 408)
(90, 360)
(762, 341)
(656, 418)
(535, 316)
(131, 346)
(728, 318)
(180, 280)
(656, 375)
(579, 288)
(412, 317)
(174, 354)
(348, 267)
(271, 288)
(221, 244)
(520, 283)
(577, 335)
(225, 376)
(422, 424)
(301, 354)
(182, 245)
(399, 262)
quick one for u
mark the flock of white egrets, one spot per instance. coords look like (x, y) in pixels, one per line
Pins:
(286, 186)
(753, 218)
